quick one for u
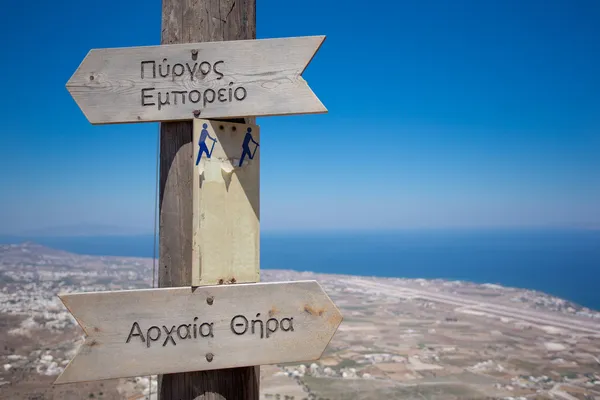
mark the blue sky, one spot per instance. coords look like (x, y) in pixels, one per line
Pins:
(441, 114)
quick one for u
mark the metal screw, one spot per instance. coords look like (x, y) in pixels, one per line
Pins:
(210, 300)
(194, 54)
(209, 357)
(91, 77)
(196, 113)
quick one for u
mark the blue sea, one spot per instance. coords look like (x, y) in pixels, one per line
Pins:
(561, 263)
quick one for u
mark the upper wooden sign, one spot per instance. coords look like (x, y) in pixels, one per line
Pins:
(168, 330)
(208, 80)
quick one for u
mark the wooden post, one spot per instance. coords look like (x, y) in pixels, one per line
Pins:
(186, 21)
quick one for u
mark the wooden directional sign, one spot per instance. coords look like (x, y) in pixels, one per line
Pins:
(159, 331)
(211, 80)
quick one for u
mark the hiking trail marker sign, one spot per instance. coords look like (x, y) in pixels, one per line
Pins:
(168, 330)
(199, 327)
(210, 79)
(226, 197)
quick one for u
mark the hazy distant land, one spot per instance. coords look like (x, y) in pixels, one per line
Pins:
(400, 338)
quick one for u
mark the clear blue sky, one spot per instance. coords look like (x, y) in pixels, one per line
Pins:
(475, 114)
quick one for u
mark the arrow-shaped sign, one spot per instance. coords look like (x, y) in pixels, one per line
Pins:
(211, 80)
(168, 330)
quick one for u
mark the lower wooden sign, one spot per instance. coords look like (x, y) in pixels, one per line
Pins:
(168, 330)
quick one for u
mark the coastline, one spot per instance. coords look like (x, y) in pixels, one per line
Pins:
(563, 263)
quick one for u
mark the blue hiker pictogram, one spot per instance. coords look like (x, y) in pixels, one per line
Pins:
(202, 143)
(246, 147)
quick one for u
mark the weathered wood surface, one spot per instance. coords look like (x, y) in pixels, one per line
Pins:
(186, 21)
(219, 79)
(154, 331)
(226, 190)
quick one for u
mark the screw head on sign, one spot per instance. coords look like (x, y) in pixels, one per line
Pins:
(210, 300)
(209, 357)
(196, 113)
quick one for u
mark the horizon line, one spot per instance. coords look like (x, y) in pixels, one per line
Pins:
(128, 233)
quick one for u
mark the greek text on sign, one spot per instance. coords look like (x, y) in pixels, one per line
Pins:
(182, 81)
(169, 330)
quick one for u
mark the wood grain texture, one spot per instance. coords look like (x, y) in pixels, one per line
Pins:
(222, 80)
(175, 219)
(153, 331)
(185, 21)
(226, 190)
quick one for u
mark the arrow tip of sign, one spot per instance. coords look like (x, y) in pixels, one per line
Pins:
(78, 71)
(79, 79)
(334, 320)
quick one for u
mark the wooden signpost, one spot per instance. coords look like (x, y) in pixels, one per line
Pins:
(213, 80)
(155, 331)
(203, 335)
